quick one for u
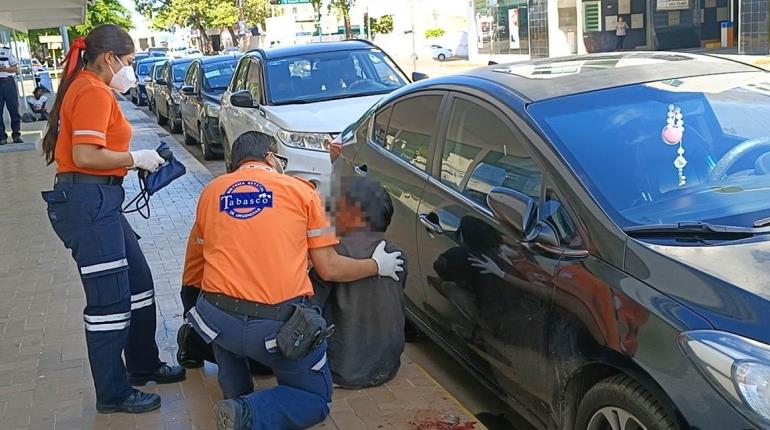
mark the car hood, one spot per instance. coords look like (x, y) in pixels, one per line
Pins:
(212, 96)
(729, 284)
(322, 117)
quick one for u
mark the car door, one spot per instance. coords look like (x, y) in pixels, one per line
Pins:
(187, 106)
(229, 114)
(197, 102)
(253, 118)
(488, 294)
(397, 155)
(164, 91)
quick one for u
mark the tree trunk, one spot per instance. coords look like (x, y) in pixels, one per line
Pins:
(348, 29)
(205, 39)
(235, 37)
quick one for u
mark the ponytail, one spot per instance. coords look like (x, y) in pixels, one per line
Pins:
(73, 63)
(104, 38)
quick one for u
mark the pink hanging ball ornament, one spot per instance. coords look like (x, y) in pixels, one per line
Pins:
(672, 134)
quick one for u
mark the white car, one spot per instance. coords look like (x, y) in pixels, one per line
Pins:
(305, 95)
(440, 53)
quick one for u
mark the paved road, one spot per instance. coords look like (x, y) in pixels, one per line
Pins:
(461, 384)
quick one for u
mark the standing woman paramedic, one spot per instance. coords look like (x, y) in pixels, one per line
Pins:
(88, 139)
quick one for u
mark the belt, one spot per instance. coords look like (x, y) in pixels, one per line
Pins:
(84, 178)
(279, 312)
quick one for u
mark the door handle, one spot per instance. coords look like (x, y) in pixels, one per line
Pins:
(361, 169)
(430, 225)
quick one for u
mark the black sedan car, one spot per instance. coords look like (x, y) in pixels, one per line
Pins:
(206, 80)
(142, 68)
(167, 91)
(149, 85)
(592, 233)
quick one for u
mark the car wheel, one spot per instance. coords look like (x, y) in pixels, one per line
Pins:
(172, 124)
(208, 154)
(621, 403)
(441, 57)
(188, 140)
(162, 120)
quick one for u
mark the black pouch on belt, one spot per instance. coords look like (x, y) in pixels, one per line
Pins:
(303, 332)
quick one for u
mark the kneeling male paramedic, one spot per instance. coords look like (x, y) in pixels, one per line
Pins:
(248, 251)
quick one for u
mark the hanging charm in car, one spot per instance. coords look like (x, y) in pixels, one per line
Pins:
(672, 134)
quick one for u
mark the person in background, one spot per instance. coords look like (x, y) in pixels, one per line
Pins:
(368, 314)
(37, 104)
(248, 250)
(9, 95)
(621, 29)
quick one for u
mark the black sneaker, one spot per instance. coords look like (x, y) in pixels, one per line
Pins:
(138, 402)
(164, 375)
(233, 414)
(17, 140)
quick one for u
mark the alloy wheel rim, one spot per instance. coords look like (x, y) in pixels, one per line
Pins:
(614, 418)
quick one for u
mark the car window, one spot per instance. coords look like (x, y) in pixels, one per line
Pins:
(381, 121)
(180, 71)
(482, 152)
(254, 81)
(554, 213)
(189, 78)
(411, 127)
(239, 82)
(216, 76)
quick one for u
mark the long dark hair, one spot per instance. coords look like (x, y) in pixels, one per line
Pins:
(104, 38)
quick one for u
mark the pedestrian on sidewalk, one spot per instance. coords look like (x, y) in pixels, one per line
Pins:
(368, 314)
(9, 95)
(621, 29)
(248, 251)
(88, 138)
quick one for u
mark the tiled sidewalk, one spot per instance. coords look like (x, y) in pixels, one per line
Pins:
(45, 380)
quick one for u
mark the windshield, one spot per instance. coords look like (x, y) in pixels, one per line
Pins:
(331, 75)
(179, 71)
(145, 68)
(620, 145)
(217, 76)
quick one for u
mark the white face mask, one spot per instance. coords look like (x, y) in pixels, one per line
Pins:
(124, 79)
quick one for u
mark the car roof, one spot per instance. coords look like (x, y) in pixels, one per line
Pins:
(558, 77)
(313, 48)
(183, 60)
(151, 60)
(218, 58)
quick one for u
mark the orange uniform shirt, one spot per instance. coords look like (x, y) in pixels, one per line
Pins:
(252, 233)
(90, 115)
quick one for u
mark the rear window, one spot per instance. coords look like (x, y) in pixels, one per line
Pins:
(217, 76)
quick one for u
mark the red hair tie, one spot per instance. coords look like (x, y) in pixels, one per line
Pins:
(71, 60)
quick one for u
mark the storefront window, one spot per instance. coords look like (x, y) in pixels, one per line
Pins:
(502, 26)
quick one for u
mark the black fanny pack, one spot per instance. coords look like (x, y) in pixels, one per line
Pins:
(303, 332)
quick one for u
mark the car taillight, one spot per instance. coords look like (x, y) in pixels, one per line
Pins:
(335, 148)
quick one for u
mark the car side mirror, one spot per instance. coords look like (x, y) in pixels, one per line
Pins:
(417, 76)
(242, 99)
(514, 210)
(161, 81)
(188, 90)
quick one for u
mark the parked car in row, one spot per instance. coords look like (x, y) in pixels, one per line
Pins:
(305, 95)
(206, 80)
(591, 233)
(167, 93)
(149, 84)
(142, 69)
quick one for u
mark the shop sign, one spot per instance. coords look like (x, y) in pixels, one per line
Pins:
(673, 4)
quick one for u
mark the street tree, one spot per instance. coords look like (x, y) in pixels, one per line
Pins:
(343, 7)
(383, 25)
(434, 33)
(199, 15)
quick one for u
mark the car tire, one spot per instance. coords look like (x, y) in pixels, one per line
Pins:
(188, 140)
(162, 120)
(172, 124)
(441, 57)
(622, 398)
(208, 154)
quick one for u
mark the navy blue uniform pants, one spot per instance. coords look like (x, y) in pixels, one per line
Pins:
(119, 315)
(9, 97)
(304, 392)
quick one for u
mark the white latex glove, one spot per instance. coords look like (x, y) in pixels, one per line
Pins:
(388, 263)
(487, 266)
(146, 159)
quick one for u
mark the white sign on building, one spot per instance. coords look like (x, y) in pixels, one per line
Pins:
(513, 31)
(673, 4)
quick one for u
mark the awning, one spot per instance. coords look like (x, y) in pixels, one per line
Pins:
(23, 15)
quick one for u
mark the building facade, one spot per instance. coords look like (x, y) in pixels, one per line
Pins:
(518, 29)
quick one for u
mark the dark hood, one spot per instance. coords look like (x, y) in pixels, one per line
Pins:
(728, 284)
(212, 96)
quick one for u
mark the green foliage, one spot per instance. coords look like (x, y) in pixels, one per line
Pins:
(343, 7)
(256, 12)
(384, 25)
(198, 14)
(434, 33)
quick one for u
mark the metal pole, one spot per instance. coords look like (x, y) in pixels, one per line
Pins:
(65, 39)
(414, 41)
(21, 75)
